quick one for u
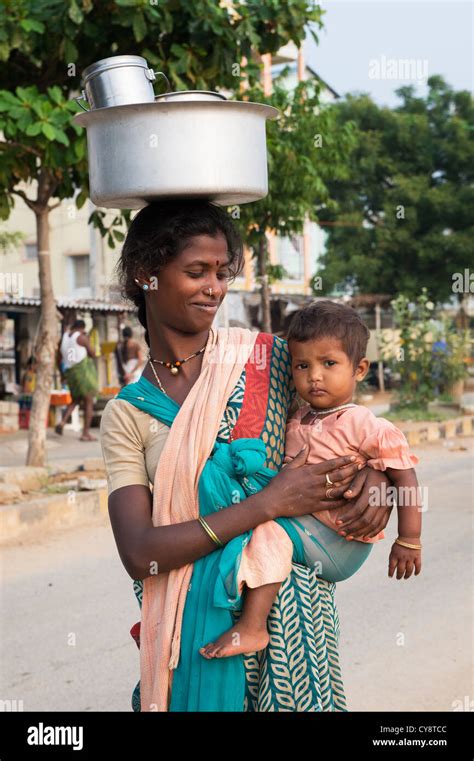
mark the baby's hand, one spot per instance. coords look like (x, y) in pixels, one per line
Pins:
(404, 561)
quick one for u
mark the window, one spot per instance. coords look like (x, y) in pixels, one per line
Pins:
(290, 255)
(31, 251)
(80, 272)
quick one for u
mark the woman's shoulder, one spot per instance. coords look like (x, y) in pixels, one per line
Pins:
(270, 339)
(277, 345)
(273, 338)
(119, 414)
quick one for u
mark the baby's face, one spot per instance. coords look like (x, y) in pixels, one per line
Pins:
(323, 373)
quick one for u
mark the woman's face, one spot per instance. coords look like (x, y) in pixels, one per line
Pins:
(178, 295)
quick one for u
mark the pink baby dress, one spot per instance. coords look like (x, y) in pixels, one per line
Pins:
(353, 430)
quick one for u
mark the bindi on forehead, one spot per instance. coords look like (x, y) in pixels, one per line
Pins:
(207, 264)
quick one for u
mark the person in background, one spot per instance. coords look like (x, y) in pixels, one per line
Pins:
(129, 358)
(77, 357)
(28, 381)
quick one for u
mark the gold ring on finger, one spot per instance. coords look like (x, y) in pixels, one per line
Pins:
(328, 481)
(328, 493)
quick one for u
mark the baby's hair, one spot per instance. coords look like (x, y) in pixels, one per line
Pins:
(326, 319)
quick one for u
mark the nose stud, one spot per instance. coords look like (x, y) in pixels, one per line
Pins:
(209, 290)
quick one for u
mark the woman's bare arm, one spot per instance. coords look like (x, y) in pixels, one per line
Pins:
(146, 549)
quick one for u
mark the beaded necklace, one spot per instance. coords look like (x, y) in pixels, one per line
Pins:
(161, 387)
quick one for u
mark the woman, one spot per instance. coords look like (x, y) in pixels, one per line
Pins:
(205, 425)
(77, 363)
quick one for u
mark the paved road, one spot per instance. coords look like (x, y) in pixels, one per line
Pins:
(67, 606)
(14, 447)
(407, 645)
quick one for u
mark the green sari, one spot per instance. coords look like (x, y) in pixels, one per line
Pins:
(299, 669)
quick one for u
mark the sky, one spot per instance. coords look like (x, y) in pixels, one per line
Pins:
(365, 46)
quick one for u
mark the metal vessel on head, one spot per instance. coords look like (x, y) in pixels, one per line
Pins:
(183, 144)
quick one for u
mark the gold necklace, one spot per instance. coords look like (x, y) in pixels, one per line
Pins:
(160, 385)
(229, 423)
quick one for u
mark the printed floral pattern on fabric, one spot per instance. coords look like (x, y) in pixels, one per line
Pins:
(299, 670)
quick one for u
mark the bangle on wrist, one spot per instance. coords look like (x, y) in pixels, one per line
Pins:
(210, 532)
(408, 545)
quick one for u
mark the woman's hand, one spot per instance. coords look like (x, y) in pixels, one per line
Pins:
(369, 505)
(300, 489)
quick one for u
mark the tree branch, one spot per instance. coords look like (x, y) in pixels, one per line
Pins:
(29, 202)
(26, 148)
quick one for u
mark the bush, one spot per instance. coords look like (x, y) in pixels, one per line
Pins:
(430, 354)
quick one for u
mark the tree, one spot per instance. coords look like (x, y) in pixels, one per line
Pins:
(405, 210)
(306, 147)
(40, 143)
(198, 43)
(46, 44)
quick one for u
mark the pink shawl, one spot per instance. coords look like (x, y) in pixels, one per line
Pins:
(175, 500)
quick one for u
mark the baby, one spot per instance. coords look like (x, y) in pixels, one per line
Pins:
(328, 343)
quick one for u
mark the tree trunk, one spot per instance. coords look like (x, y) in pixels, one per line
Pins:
(45, 349)
(265, 290)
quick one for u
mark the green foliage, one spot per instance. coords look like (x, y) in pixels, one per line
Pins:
(413, 356)
(275, 272)
(454, 361)
(39, 139)
(305, 146)
(404, 212)
(430, 355)
(110, 231)
(415, 414)
(197, 43)
(10, 240)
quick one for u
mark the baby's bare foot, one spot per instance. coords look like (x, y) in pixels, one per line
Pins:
(239, 639)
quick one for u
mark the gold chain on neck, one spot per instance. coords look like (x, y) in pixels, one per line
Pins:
(161, 387)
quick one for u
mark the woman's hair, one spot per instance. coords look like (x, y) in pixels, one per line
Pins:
(78, 324)
(326, 319)
(160, 232)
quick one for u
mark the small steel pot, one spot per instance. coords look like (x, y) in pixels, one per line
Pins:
(117, 81)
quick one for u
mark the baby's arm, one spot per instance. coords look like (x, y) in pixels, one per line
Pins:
(404, 559)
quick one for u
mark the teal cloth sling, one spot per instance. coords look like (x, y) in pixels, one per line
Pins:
(234, 471)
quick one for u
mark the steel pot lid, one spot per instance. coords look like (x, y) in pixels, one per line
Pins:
(182, 95)
(112, 62)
